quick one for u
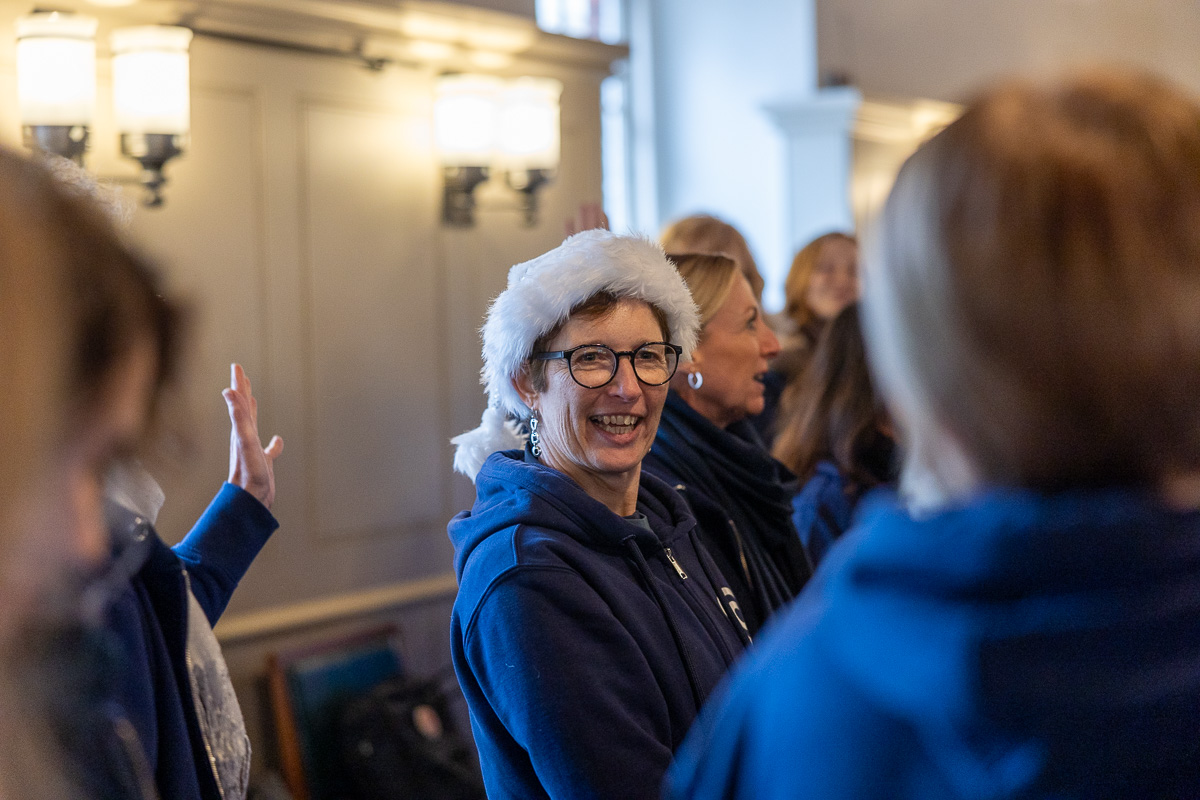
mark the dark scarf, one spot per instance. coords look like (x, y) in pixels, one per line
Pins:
(734, 469)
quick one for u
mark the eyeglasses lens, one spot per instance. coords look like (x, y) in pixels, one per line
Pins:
(592, 367)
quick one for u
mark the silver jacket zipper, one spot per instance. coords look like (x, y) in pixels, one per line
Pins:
(674, 563)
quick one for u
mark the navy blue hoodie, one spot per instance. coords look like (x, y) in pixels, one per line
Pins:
(584, 643)
(1024, 646)
(148, 621)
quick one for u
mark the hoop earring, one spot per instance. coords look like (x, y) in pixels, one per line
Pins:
(695, 380)
(535, 441)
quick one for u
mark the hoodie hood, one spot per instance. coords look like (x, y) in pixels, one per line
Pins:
(1031, 641)
(511, 491)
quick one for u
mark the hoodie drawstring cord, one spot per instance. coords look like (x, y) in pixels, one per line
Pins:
(644, 569)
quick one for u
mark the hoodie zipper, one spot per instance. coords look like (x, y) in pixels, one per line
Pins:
(200, 719)
(716, 597)
(675, 564)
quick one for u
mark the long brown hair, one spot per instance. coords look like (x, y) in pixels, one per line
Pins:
(833, 413)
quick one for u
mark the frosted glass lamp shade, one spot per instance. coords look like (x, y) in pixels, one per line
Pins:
(150, 79)
(464, 119)
(56, 68)
(529, 130)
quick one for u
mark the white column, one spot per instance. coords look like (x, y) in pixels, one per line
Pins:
(817, 130)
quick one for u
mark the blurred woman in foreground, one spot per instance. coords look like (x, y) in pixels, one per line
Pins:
(1033, 317)
(86, 344)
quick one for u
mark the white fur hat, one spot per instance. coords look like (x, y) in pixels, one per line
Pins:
(540, 295)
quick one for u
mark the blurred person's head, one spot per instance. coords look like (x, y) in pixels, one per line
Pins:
(823, 279)
(703, 233)
(1033, 299)
(85, 343)
(723, 381)
(834, 414)
(83, 315)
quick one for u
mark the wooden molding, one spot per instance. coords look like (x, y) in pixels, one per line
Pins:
(241, 628)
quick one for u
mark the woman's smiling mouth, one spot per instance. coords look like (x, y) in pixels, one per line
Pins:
(616, 424)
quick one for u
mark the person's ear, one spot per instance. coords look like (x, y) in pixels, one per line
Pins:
(524, 386)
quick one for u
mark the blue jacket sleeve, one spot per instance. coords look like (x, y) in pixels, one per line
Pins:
(222, 545)
(570, 706)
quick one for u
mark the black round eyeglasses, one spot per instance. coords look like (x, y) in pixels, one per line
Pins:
(594, 365)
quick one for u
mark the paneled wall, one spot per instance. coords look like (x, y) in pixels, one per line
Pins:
(302, 227)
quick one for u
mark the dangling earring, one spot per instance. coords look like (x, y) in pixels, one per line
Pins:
(535, 441)
(695, 380)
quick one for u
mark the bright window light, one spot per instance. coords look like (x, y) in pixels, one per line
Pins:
(582, 19)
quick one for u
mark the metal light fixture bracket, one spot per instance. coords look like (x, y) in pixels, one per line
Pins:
(526, 183)
(458, 199)
(152, 151)
(68, 141)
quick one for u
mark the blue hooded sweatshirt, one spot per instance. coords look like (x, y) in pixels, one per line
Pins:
(585, 643)
(822, 510)
(1024, 646)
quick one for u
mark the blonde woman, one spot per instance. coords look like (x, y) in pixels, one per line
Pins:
(707, 448)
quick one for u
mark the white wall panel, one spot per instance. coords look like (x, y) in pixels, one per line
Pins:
(210, 239)
(374, 342)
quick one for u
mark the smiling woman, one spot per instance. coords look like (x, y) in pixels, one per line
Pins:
(590, 623)
(598, 415)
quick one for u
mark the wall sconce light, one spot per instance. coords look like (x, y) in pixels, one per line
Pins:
(464, 127)
(530, 138)
(150, 97)
(481, 122)
(56, 81)
(56, 87)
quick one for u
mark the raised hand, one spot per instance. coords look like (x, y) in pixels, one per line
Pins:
(251, 466)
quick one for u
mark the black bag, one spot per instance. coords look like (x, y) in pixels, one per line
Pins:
(399, 742)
